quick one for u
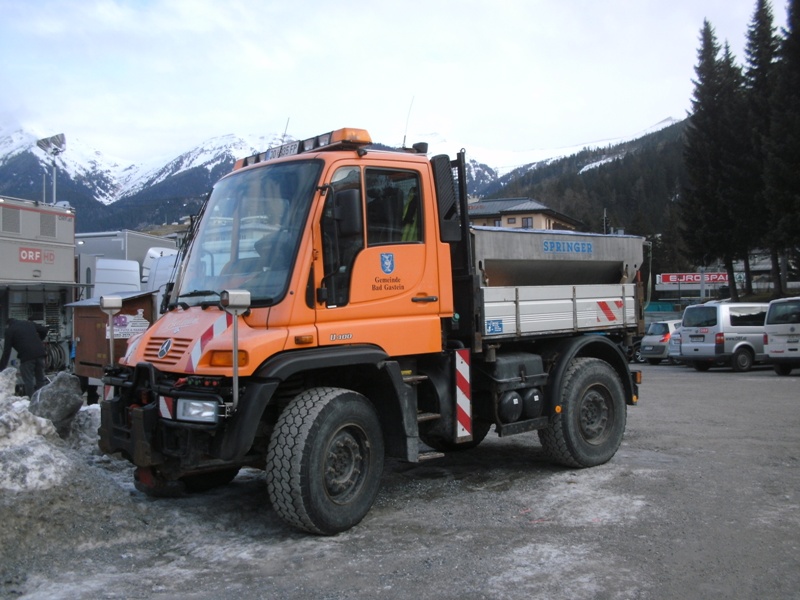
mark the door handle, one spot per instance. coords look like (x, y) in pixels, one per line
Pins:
(425, 299)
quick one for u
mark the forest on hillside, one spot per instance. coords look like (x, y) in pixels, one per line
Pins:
(635, 185)
(716, 188)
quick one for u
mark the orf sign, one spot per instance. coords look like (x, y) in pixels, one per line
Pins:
(678, 278)
(30, 255)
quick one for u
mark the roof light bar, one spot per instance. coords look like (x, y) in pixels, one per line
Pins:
(340, 138)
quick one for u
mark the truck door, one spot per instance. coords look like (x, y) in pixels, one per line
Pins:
(378, 281)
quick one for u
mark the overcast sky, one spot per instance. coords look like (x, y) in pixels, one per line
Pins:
(138, 79)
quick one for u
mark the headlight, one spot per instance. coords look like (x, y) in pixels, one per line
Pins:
(200, 411)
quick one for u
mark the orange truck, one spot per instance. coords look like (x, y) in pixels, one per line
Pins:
(334, 307)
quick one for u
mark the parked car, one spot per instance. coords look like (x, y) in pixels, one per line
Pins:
(655, 343)
(723, 334)
(782, 335)
(674, 352)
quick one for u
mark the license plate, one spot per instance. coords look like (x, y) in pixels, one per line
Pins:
(696, 338)
(793, 341)
(648, 348)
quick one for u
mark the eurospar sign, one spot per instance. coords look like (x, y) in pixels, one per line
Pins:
(680, 278)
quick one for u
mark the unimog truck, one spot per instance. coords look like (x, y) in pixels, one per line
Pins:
(335, 307)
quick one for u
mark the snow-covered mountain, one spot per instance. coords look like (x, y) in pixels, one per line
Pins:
(161, 192)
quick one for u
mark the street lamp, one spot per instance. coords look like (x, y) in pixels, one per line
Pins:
(54, 146)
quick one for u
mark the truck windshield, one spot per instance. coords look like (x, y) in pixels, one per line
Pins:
(249, 233)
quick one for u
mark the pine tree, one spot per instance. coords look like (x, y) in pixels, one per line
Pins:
(735, 186)
(761, 53)
(782, 175)
(708, 224)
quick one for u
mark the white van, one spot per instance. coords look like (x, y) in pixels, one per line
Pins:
(782, 335)
(152, 256)
(162, 272)
(115, 275)
(723, 334)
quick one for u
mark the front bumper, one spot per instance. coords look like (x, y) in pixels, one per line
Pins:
(139, 423)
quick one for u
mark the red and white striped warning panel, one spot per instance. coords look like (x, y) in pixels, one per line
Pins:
(610, 312)
(463, 396)
(217, 327)
(166, 407)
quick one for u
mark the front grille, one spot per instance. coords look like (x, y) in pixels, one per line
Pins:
(178, 348)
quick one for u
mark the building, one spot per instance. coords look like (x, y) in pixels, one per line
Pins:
(519, 213)
(37, 273)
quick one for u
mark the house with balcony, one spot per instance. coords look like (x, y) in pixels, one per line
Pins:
(520, 213)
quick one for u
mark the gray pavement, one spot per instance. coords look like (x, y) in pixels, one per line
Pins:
(701, 501)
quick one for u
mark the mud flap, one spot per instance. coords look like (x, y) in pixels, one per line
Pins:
(151, 483)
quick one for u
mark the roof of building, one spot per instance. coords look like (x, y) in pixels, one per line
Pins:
(507, 206)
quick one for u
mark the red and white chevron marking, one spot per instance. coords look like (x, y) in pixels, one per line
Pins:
(610, 312)
(463, 395)
(218, 327)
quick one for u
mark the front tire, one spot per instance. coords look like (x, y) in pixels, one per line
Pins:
(588, 430)
(325, 460)
(782, 370)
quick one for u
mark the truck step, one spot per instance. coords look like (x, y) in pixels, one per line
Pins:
(414, 379)
(427, 416)
(429, 455)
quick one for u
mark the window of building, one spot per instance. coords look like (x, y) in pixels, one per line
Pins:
(527, 222)
(512, 220)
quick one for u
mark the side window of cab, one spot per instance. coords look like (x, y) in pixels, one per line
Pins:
(394, 211)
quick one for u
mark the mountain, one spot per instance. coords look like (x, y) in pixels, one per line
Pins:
(110, 194)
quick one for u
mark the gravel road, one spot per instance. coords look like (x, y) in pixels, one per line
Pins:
(701, 501)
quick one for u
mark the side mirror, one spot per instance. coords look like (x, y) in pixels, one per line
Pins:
(347, 212)
(235, 302)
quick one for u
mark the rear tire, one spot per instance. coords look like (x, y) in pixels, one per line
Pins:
(325, 460)
(588, 431)
(701, 366)
(783, 370)
(742, 360)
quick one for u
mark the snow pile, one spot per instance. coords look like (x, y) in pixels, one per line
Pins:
(55, 486)
(39, 437)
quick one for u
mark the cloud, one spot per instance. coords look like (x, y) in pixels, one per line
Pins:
(143, 79)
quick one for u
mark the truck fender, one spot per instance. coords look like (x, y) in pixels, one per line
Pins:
(242, 428)
(596, 346)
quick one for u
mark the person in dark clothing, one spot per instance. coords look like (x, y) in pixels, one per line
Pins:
(26, 338)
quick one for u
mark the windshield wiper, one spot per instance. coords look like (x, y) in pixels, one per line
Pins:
(195, 293)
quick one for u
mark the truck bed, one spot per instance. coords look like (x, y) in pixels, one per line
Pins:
(541, 282)
(511, 312)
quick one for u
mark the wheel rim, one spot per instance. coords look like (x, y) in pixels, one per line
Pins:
(346, 464)
(596, 415)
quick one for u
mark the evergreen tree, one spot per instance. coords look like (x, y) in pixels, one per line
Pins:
(736, 187)
(708, 224)
(761, 53)
(782, 175)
